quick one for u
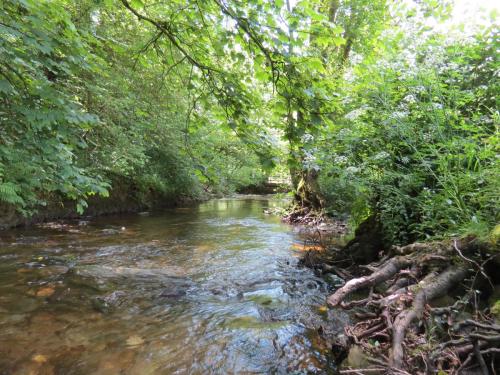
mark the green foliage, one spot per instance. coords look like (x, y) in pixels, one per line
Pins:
(91, 97)
(418, 144)
(43, 121)
(178, 99)
(227, 165)
(495, 310)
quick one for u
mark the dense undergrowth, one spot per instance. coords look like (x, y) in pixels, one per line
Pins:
(419, 140)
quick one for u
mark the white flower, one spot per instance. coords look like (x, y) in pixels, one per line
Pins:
(410, 98)
(340, 159)
(399, 114)
(353, 115)
(381, 156)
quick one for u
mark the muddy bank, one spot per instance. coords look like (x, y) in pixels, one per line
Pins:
(122, 199)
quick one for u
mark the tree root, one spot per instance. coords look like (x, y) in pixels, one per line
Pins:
(428, 289)
(388, 270)
(397, 323)
(304, 215)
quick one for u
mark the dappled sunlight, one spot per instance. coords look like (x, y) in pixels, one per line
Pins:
(185, 184)
(304, 247)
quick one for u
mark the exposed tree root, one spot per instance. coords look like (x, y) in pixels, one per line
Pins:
(304, 215)
(387, 271)
(426, 290)
(397, 323)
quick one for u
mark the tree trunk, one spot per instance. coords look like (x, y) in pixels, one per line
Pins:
(368, 241)
(308, 190)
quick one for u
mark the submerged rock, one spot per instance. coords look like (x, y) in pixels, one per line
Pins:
(39, 358)
(106, 303)
(98, 271)
(334, 280)
(45, 291)
(250, 322)
(135, 340)
(53, 271)
(173, 293)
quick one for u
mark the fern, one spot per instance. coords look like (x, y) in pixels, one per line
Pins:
(9, 193)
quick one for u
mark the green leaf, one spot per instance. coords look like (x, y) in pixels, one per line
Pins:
(315, 64)
(6, 87)
(137, 3)
(261, 75)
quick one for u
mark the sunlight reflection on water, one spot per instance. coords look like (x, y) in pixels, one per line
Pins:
(208, 289)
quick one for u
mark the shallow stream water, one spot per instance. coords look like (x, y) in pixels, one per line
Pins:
(211, 289)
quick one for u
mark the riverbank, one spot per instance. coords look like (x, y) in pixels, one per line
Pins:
(122, 199)
(421, 308)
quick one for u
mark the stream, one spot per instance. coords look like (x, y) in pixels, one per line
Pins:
(210, 289)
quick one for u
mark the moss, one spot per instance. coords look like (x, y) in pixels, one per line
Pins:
(357, 358)
(495, 236)
(249, 322)
(261, 300)
(495, 309)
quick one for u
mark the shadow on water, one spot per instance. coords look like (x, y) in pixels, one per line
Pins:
(208, 289)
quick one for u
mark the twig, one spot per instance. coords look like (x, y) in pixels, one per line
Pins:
(371, 330)
(455, 306)
(480, 359)
(494, 327)
(472, 261)
(479, 336)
